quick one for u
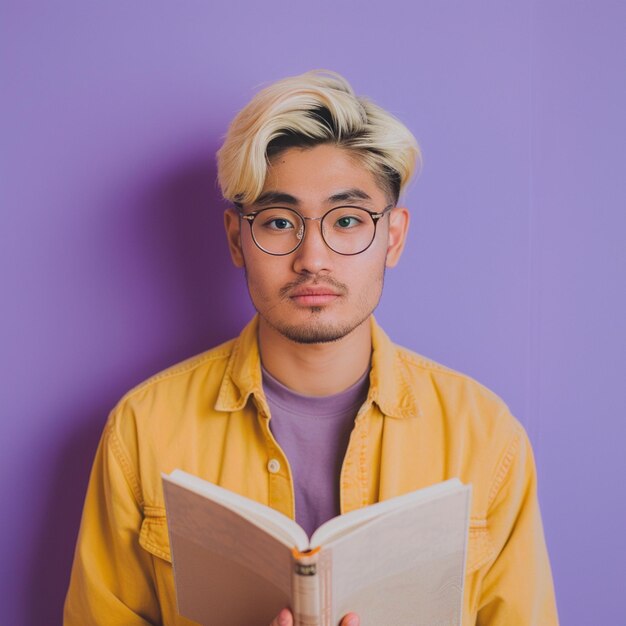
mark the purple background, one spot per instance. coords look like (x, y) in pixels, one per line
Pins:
(113, 263)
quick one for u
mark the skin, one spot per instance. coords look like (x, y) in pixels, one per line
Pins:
(284, 618)
(339, 318)
(314, 305)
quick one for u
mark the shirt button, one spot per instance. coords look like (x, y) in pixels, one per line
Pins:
(273, 466)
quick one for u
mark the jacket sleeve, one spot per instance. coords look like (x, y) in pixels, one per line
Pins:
(111, 581)
(517, 588)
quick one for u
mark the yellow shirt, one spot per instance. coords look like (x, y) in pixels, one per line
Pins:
(421, 423)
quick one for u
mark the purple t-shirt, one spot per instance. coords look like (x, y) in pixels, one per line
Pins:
(313, 432)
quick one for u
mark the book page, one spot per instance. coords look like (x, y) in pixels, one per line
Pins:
(339, 526)
(227, 570)
(405, 568)
(213, 589)
(273, 522)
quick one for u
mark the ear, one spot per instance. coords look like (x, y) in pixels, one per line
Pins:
(398, 228)
(232, 224)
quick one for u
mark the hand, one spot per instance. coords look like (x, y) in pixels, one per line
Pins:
(284, 618)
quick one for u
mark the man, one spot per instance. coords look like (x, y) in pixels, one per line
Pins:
(311, 410)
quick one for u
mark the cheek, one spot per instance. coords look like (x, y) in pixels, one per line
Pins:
(373, 265)
(366, 279)
(264, 276)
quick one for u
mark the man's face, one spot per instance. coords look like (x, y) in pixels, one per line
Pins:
(314, 294)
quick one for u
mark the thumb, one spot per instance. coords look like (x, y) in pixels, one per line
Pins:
(351, 619)
(284, 618)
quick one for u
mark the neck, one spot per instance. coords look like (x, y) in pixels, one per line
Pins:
(318, 369)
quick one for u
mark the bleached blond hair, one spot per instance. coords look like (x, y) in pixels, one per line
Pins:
(306, 110)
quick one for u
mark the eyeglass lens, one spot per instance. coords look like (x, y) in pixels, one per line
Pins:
(346, 230)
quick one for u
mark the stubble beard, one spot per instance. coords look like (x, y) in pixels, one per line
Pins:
(314, 330)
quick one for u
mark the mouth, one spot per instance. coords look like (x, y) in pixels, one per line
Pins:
(313, 296)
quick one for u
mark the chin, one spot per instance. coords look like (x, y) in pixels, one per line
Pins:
(313, 331)
(308, 335)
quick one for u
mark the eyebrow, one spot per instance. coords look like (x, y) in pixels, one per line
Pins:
(280, 197)
(276, 197)
(349, 194)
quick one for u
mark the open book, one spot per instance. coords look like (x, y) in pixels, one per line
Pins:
(237, 562)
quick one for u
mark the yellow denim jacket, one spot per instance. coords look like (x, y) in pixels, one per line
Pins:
(421, 424)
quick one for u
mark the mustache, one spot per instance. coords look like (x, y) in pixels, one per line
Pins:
(338, 287)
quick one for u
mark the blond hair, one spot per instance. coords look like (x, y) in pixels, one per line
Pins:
(313, 108)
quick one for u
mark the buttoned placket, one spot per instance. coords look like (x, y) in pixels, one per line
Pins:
(356, 466)
(281, 493)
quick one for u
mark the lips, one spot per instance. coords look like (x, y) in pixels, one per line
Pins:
(313, 296)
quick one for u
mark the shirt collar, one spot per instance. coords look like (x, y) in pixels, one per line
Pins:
(389, 388)
(243, 372)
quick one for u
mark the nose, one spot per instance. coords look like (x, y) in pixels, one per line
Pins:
(312, 256)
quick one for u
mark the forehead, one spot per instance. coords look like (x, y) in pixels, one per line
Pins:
(323, 173)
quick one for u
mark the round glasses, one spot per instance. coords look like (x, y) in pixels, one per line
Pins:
(346, 230)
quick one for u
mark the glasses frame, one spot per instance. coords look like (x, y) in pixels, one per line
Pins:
(376, 216)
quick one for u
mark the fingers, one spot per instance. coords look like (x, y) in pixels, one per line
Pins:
(351, 619)
(284, 618)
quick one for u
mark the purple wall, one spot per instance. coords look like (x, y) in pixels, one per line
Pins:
(113, 264)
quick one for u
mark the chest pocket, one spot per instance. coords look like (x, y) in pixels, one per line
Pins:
(153, 536)
(480, 549)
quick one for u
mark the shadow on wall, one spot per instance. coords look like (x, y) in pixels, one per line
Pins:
(51, 556)
(177, 236)
(175, 294)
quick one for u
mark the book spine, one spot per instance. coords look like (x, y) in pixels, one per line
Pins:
(306, 596)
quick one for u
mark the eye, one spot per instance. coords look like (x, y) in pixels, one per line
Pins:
(278, 222)
(347, 221)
